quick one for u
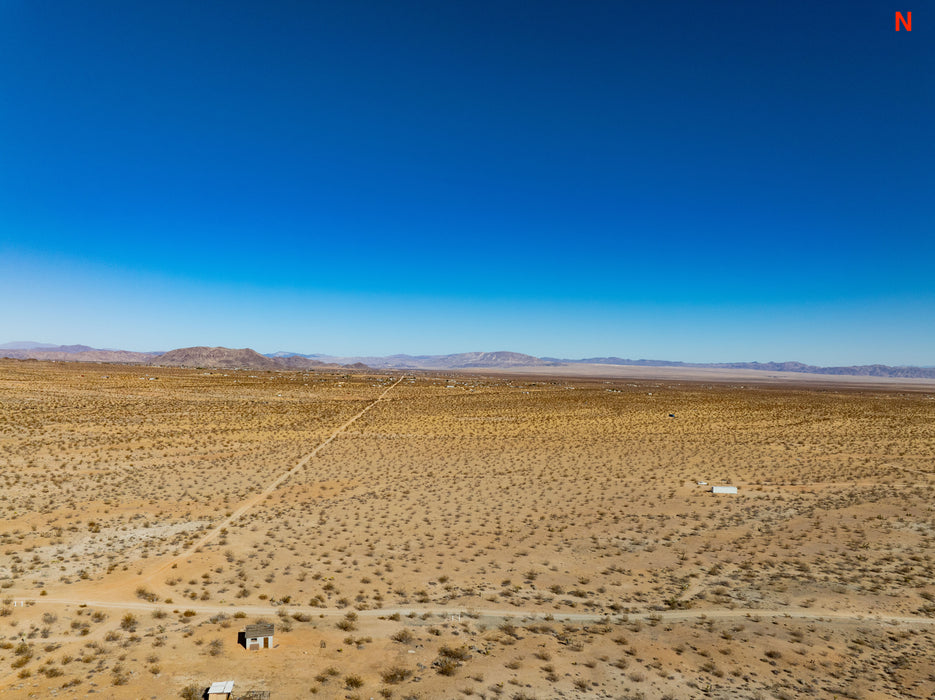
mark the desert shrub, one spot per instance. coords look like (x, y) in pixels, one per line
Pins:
(349, 622)
(404, 636)
(192, 692)
(397, 674)
(509, 629)
(457, 654)
(146, 594)
(445, 666)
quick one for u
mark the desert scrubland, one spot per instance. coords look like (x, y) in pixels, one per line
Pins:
(458, 536)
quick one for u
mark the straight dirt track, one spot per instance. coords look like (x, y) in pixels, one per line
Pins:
(254, 501)
(493, 615)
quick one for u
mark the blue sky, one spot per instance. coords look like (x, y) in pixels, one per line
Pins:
(697, 181)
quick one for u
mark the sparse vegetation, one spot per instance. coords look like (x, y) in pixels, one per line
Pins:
(397, 674)
(582, 500)
(191, 692)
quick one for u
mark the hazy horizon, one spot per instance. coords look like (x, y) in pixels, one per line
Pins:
(263, 351)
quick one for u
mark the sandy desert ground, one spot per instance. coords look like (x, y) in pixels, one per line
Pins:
(462, 535)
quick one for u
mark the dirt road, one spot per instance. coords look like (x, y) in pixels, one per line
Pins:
(503, 615)
(258, 498)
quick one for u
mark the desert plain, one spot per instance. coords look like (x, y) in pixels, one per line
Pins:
(443, 535)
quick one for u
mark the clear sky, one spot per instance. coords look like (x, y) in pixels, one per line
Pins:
(701, 181)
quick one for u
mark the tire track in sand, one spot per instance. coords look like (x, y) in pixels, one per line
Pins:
(516, 614)
(258, 498)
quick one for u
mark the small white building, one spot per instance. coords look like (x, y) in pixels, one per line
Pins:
(723, 489)
(258, 636)
(221, 690)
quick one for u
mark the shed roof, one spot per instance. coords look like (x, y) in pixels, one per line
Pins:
(222, 687)
(261, 629)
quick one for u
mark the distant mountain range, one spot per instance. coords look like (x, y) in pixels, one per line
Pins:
(462, 360)
(227, 358)
(853, 370)
(21, 350)
(29, 345)
(215, 358)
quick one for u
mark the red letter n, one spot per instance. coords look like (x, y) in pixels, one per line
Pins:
(907, 21)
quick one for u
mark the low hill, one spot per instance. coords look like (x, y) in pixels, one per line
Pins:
(217, 358)
(299, 362)
(244, 358)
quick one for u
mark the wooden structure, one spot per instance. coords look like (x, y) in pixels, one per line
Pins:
(258, 636)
